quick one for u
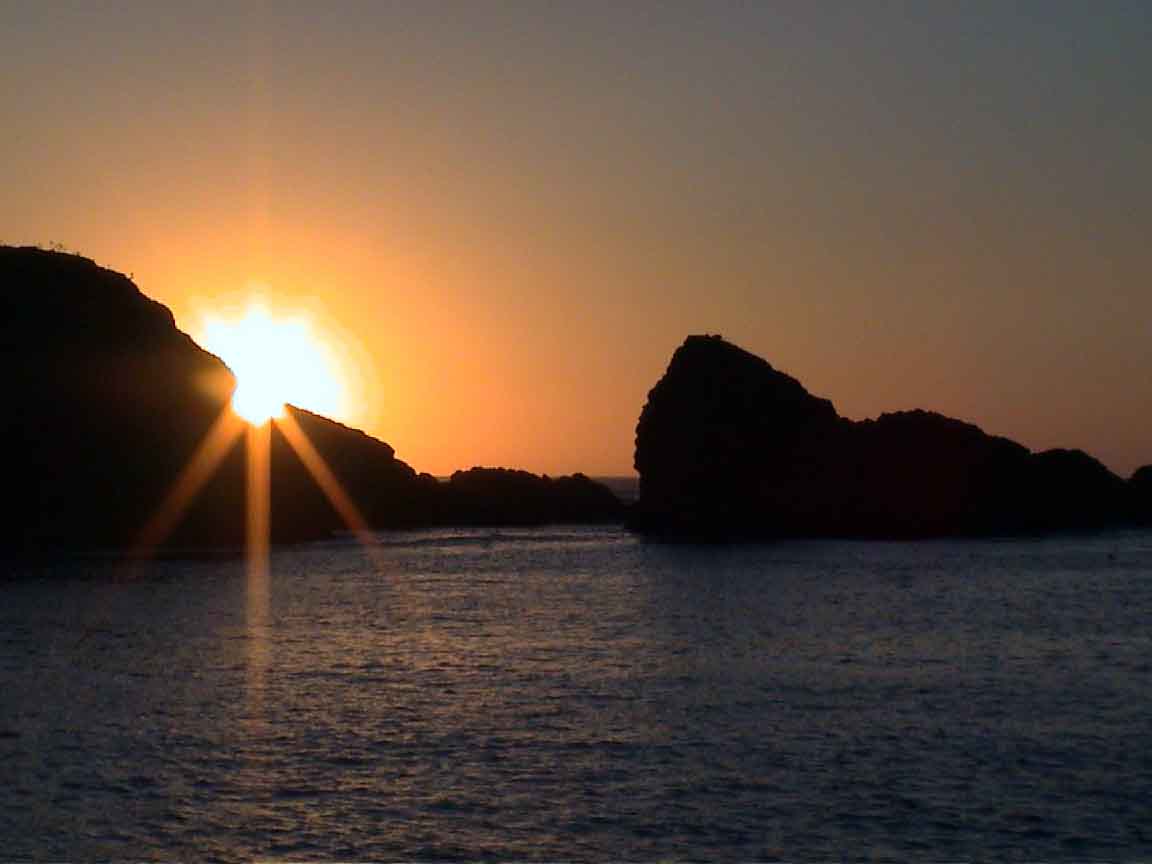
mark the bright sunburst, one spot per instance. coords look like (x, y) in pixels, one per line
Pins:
(276, 361)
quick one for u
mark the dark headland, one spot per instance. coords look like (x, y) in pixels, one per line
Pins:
(108, 403)
(728, 446)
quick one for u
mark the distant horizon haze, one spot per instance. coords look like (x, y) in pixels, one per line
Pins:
(504, 218)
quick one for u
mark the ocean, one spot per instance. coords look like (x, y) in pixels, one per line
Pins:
(581, 694)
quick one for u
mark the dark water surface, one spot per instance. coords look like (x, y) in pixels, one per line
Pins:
(579, 694)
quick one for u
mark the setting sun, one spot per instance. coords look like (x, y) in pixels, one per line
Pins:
(277, 360)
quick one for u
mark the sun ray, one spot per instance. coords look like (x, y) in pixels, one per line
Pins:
(220, 437)
(258, 536)
(330, 486)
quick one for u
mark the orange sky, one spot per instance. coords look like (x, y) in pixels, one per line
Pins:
(512, 215)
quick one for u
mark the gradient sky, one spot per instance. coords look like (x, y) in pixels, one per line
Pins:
(514, 212)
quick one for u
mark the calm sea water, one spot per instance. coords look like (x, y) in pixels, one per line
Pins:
(581, 694)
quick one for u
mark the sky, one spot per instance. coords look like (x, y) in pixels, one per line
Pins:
(506, 216)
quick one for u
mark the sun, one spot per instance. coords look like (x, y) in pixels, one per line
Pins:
(276, 360)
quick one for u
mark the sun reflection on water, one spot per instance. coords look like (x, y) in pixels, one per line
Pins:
(258, 538)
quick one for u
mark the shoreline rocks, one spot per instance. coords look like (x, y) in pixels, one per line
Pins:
(729, 447)
(108, 402)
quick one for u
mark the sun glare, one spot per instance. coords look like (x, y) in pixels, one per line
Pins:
(276, 361)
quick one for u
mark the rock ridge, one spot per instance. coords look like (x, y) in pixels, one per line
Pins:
(108, 402)
(728, 446)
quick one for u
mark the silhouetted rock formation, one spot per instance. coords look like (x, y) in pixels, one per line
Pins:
(1141, 483)
(108, 402)
(729, 446)
(108, 405)
(386, 491)
(509, 497)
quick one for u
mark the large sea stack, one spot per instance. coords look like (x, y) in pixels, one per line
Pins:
(728, 446)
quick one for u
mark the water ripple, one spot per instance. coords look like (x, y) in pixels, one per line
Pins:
(580, 695)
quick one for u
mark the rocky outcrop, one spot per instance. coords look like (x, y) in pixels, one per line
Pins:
(729, 446)
(108, 402)
(500, 496)
(1141, 484)
(721, 435)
